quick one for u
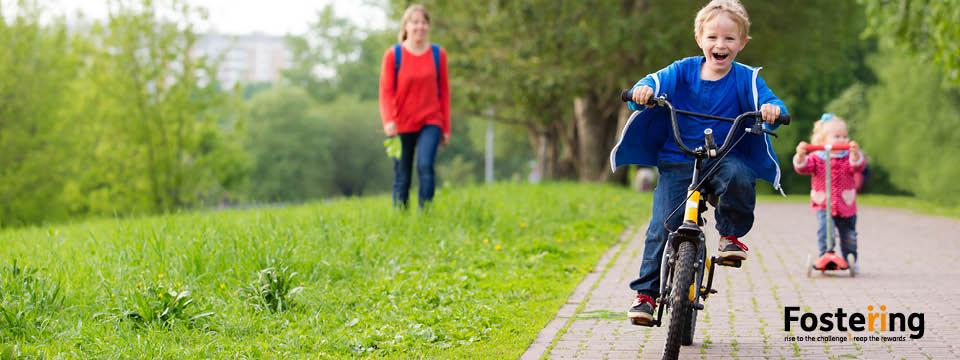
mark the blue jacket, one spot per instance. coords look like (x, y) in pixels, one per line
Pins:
(647, 130)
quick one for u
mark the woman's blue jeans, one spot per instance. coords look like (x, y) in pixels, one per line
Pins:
(733, 182)
(422, 147)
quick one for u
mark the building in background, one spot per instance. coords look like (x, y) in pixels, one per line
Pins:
(246, 59)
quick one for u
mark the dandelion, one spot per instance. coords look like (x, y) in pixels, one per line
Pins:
(139, 285)
(523, 225)
(222, 286)
(160, 276)
(498, 247)
(486, 241)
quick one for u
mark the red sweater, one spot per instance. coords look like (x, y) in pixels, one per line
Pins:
(413, 102)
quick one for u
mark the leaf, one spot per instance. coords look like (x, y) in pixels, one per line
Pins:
(393, 147)
(203, 315)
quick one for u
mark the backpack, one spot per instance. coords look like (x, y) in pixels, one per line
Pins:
(398, 53)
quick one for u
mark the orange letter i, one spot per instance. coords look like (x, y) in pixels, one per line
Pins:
(883, 318)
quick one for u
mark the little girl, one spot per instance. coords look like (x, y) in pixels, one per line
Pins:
(829, 130)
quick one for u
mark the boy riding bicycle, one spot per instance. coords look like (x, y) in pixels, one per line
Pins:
(711, 84)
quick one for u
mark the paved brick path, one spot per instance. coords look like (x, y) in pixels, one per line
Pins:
(909, 262)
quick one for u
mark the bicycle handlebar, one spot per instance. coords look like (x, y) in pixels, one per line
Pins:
(627, 95)
(840, 146)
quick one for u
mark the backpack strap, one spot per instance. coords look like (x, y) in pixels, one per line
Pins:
(398, 53)
(436, 64)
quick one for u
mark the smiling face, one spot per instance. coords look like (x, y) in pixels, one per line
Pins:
(417, 27)
(721, 39)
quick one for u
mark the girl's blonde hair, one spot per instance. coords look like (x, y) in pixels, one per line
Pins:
(407, 14)
(732, 8)
(819, 134)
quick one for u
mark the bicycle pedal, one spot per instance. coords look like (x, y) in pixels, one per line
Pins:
(730, 263)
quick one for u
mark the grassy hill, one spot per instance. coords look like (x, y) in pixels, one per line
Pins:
(477, 275)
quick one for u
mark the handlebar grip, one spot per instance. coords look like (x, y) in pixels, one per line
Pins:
(784, 119)
(627, 95)
(832, 147)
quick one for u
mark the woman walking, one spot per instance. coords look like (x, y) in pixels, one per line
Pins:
(415, 103)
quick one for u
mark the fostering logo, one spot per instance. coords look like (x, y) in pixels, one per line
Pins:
(873, 321)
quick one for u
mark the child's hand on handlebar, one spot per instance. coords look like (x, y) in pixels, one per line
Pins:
(642, 94)
(770, 113)
(802, 149)
(854, 151)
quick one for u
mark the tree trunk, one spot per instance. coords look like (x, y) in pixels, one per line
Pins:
(567, 142)
(620, 176)
(596, 123)
(544, 144)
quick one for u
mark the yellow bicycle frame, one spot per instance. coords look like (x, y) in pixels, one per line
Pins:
(692, 210)
(691, 213)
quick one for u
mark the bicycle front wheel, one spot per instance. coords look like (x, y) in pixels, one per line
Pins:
(680, 304)
(698, 273)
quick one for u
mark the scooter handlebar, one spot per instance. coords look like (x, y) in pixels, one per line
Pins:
(832, 147)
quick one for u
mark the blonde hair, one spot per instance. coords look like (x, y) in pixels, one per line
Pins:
(407, 14)
(819, 134)
(732, 8)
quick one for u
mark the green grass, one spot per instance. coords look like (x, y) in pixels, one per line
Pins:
(909, 203)
(478, 275)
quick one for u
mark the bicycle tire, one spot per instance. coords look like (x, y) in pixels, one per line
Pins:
(691, 328)
(680, 304)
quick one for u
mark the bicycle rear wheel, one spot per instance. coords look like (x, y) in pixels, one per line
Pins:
(680, 305)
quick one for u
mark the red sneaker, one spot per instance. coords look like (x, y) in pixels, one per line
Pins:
(641, 312)
(732, 249)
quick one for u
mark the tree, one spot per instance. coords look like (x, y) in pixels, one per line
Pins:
(360, 164)
(927, 27)
(35, 63)
(289, 145)
(909, 117)
(145, 110)
(557, 67)
(334, 55)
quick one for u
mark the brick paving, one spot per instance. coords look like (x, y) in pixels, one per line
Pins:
(908, 262)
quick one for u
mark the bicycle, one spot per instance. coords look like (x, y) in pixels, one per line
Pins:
(685, 264)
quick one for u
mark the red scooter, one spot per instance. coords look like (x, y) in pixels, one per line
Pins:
(830, 261)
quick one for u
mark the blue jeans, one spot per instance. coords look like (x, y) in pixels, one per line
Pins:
(846, 228)
(733, 182)
(422, 145)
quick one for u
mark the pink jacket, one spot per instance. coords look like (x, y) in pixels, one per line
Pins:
(843, 197)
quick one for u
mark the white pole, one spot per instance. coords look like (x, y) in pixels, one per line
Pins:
(828, 187)
(488, 168)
